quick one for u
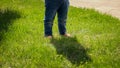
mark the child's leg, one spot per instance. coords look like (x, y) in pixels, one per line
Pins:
(50, 12)
(62, 16)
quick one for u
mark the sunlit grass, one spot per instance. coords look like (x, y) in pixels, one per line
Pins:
(95, 42)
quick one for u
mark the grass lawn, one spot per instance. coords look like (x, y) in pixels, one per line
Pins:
(95, 42)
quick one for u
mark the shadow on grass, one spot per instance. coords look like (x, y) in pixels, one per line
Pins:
(72, 50)
(6, 19)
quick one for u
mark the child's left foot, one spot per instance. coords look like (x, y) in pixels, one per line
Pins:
(50, 37)
(66, 35)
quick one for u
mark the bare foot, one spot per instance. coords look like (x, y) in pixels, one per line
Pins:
(66, 35)
(49, 37)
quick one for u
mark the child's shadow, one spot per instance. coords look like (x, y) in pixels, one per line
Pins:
(71, 49)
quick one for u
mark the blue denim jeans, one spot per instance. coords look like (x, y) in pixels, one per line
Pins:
(53, 7)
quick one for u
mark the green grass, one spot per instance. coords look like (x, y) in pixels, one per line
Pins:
(95, 42)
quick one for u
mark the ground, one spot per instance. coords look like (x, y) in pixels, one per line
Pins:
(95, 42)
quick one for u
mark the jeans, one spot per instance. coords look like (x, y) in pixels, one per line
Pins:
(53, 7)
